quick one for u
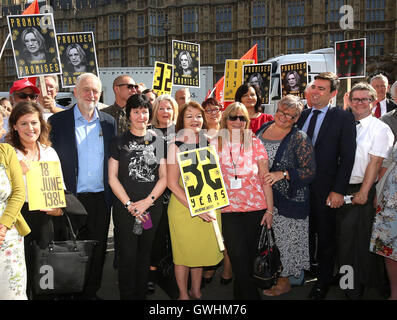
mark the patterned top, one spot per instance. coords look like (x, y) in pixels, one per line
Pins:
(250, 197)
(118, 113)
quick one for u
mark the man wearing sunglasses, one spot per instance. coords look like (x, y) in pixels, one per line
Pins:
(23, 90)
(123, 87)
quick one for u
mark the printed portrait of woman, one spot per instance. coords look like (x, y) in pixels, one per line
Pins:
(256, 79)
(34, 50)
(185, 64)
(292, 82)
(76, 59)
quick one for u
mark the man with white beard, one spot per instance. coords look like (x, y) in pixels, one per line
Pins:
(81, 137)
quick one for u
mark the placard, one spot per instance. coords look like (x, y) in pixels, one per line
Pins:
(186, 59)
(260, 75)
(233, 77)
(203, 180)
(162, 78)
(34, 45)
(350, 58)
(294, 79)
(78, 56)
(45, 185)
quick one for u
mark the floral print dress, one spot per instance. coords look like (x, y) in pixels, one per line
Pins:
(384, 231)
(12, 256)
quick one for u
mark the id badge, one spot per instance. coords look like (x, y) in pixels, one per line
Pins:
(235, 183)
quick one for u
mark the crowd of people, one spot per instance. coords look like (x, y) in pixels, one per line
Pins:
(323, 177)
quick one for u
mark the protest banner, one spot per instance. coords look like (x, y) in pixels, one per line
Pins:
(260, 75)
(45, 185)
(186, 59)
(350, 58)
(78, 56)
(203, 182)
(34, 45)
(233, 77)
(294, 79)
(162, 78)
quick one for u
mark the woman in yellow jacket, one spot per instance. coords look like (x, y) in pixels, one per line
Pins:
(12, 227)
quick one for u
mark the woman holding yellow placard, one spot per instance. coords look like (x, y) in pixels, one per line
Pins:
(29, 135)
(193, 239)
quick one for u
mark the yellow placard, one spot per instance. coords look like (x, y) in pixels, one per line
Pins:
(45, 186)
(162, 78)
(233, 77)
(203, 180)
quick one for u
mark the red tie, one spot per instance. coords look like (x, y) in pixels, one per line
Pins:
(377, 110)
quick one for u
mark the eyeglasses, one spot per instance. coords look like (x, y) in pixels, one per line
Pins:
(234, 118)
(213, 111)
(363, 100)
(22, 95)
(286, 115)
(129, 86)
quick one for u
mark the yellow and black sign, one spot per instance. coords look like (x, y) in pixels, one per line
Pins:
(260, 75)
(162, 78)
(233, 77)
(186, 59)
(294, 79)
(202, 179)
(34, 45)
(78, 56)
(45, 186)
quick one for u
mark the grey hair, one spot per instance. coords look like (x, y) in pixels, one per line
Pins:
(291, 102)
(54, 76)
(88, 75)
(380, 76)
(156, 104)
(363, 86)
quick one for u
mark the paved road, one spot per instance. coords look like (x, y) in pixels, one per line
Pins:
(212, 291)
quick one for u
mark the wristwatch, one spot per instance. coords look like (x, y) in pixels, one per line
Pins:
(285, 174)
(127, 204)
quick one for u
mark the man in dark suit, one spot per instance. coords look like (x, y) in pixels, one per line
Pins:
(81, 137)
(382, 105)
(333, 135)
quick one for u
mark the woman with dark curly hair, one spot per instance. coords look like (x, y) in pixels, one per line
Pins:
(250, 96)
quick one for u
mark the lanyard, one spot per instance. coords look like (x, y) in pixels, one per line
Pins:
(235, 163)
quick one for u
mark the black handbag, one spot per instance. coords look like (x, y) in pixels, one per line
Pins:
(267, 264)
(62, 266)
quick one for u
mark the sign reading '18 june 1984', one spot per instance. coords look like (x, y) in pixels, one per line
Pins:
(45, 186)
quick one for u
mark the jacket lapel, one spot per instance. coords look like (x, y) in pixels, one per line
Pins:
(324, 125)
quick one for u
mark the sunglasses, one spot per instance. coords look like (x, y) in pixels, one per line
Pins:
(23, 95)
(234, 118)
(129, 86)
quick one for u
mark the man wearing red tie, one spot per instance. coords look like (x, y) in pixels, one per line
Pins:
(382, 105)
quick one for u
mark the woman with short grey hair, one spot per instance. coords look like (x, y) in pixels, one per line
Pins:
(292, 168)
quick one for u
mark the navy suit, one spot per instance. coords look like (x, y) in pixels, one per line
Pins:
(95, 225)
(390, 105)
(335, 152)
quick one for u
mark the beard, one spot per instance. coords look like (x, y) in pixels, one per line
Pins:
(87, 105)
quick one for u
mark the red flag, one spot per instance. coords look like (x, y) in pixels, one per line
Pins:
(250, 54)
(32, 9)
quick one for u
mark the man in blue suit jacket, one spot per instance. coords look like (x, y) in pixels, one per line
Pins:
(81, 138)
(333, 135)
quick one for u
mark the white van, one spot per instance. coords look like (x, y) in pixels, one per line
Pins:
(321, 60)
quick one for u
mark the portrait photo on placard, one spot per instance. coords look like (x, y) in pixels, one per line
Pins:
(34, 45)
(78, 56)
(260, 75)
(186, 61)
(294, 79)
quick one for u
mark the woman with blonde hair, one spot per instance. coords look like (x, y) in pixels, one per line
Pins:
(244, 164)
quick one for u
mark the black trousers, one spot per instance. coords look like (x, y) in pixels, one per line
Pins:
(241, 232)
(323, 222)
(159, 249)
(94, 227)
(134, 252)
(354, 229)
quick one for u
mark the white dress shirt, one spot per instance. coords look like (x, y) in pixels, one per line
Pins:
(374, 137)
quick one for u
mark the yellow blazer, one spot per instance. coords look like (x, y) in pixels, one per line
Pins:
(12, 214)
